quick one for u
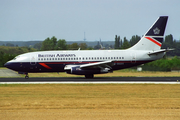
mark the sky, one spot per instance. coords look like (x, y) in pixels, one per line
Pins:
(26, 20)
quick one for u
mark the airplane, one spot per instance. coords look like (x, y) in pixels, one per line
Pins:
(90, 62)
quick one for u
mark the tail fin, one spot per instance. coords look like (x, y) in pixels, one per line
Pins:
(153, 39)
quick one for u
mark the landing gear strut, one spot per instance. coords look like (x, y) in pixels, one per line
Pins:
(27, 76)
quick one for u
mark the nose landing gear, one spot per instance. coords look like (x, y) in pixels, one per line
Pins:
(27, 76)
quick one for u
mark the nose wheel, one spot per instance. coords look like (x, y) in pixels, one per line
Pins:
(27, 76)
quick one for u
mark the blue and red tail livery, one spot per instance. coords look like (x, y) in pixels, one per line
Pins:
(158, 28)
(153, 38)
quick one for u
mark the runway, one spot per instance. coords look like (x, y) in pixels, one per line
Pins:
(97, 80)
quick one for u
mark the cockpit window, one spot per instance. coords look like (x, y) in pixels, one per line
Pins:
(16, 57)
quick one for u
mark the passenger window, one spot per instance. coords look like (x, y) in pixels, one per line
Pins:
(55, 58)
(44, 58)
(119, 57)
(111, 57)
(41, 58)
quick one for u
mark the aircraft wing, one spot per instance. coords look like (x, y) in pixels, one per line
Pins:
(102, 65)
(159, 51)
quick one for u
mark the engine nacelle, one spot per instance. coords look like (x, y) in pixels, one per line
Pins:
(78, 71)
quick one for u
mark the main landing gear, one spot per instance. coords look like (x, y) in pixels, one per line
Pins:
(89, 76)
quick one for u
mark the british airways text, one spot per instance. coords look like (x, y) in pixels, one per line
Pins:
(56, 55)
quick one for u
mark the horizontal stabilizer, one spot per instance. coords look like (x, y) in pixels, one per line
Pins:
(159, 51)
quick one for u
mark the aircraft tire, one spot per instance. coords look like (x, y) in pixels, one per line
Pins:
(89, 76)
(26, 77)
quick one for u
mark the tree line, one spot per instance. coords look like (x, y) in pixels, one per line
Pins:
(54, 44)
(165, 64)
(124, 44)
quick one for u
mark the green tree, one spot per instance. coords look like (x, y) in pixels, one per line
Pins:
(118, 42)
(1, 58)
(49, 44)
(61, 45)
(134, 39)
(46, 44)
(83, 46)
(38, 45)
(170, 43)
(125, 44)
(169, 40)
(53, 42)
(74, 46)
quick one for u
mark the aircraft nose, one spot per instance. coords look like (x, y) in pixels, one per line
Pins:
(12, 66)
(7, 64)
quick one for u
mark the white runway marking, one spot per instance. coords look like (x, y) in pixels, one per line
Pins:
(89, 82)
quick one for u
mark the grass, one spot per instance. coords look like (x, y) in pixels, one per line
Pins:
(3, 68)
(90, 101)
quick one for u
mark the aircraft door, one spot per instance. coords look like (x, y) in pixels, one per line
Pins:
(133, 58)
(33, 59)
(80, 59)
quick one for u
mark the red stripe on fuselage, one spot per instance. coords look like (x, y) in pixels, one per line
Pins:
(153, 41)
(44, 65)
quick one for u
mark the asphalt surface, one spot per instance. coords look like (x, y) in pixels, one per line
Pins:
(6, 76)
(94, 80)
